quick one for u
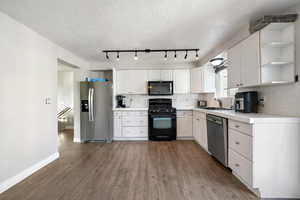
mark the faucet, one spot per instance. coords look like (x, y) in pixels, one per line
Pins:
(220, 103)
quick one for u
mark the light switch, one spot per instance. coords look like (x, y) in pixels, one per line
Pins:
(48, 100)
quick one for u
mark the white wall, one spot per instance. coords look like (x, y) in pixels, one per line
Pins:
(65, 88)
(28, 126)
(282, 100)
(28, 75)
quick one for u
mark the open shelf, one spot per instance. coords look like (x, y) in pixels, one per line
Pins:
(277, 44)
(277, 53)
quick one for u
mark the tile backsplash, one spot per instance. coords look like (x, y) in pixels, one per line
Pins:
(179, 100)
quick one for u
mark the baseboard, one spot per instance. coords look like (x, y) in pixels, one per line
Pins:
(130, 139)
(77, 140)
(27, 172)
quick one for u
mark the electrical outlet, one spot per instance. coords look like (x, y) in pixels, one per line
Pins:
(262, 101)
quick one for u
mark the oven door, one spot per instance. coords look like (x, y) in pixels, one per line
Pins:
(156, 88)
(162, 127)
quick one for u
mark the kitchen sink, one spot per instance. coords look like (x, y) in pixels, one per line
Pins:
(216, 108)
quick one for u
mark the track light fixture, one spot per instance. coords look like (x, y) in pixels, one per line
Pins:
(135, 56)
(150, 51)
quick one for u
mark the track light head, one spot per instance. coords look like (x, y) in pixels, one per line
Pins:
(135, 56)
(118, 56)
(166, 55)
(186, 54)
(107, 57)
(197, 56)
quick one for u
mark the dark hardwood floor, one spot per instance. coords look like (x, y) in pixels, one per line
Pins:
(178, 170)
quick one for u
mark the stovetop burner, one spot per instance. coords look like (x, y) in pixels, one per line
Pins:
(161, 106)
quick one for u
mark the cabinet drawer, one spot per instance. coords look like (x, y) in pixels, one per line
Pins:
(135, 113)
(242, 127)
(134, 121)
(241, 143)
(241, 166)
(184, 113)
(135, 132)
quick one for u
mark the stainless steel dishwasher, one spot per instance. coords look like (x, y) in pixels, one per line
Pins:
(217, 138)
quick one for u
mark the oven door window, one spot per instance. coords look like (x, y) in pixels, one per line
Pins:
(162, 123)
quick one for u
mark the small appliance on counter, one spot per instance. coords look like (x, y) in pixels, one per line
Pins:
(246, 102)
(120, 101)
(201, 104)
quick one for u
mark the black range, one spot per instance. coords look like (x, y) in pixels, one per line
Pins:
(162, 120)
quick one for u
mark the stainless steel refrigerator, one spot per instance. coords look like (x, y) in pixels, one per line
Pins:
(96, 111)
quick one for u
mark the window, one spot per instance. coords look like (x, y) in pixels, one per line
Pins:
(221, 83)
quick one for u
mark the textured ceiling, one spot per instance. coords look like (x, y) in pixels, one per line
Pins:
(87, 27)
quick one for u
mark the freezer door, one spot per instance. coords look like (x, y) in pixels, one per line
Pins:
(86, 122)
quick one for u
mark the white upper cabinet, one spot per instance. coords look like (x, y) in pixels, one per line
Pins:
(203, 80)
(266, 57)
(153, 75)
(166, 75)
(244, 63)
(160, 75)
(132, 82)
(250, 72)
(181, 78)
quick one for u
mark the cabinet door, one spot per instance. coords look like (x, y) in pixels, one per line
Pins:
(208, 79)
(250, 71)
(196, 80)
(117, 124)
(184, 126)
(132, 82)
(166, 75)
(181, 81)
(196, 127)
(123, 83)
(138, 81)
(153, 75)
(203, 133)
(235, 63)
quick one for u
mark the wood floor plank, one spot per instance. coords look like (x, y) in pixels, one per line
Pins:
(177, 170)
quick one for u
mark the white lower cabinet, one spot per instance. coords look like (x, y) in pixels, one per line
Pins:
(184, 124)
(117, 124)
(130, 125)
(200, 129)
(135, 132)
(240, 166)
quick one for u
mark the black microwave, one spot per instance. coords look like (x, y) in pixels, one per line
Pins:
(160, 88)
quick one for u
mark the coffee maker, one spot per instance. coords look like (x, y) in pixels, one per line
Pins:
(246, 102)
(121, 101)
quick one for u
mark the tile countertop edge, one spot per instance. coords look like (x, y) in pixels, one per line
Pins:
(251, 118)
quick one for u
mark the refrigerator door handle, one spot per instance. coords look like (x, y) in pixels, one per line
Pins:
(92, 105)
(89, 103)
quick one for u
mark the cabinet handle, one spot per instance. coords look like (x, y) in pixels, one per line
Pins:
(241, 84)
(237, 84)
(237, 143)
(237, 126)
(237, 165)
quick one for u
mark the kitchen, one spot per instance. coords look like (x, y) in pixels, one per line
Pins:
(209, 112)
(181, 104)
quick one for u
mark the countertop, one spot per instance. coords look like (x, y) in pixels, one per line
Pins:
(146, 109)
(251, 117)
